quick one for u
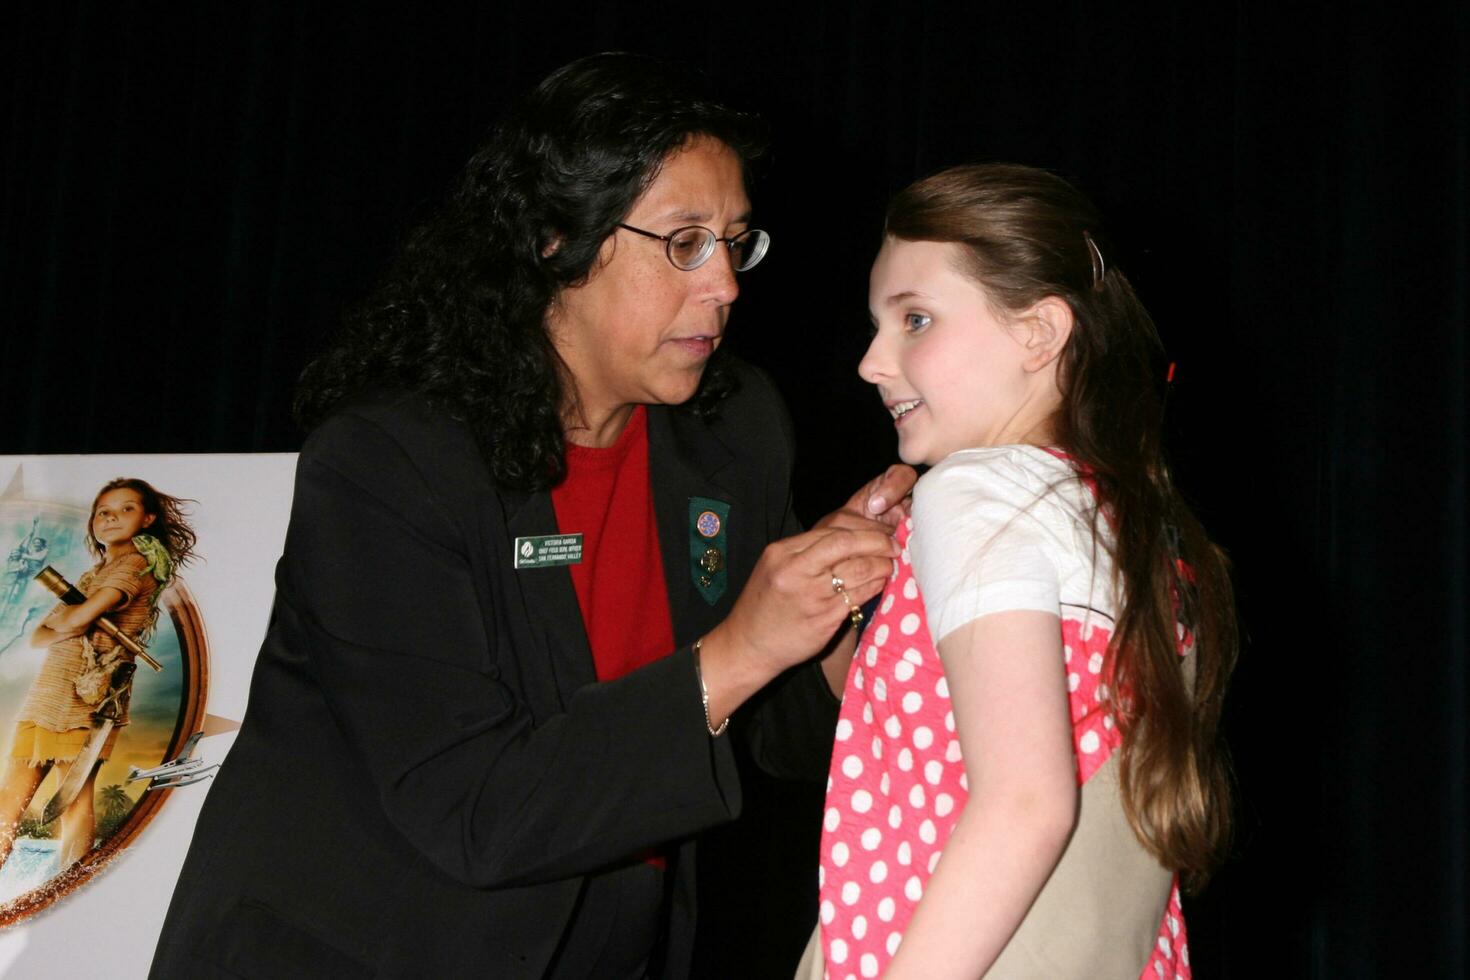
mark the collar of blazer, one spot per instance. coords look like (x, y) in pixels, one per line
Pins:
(686, 458)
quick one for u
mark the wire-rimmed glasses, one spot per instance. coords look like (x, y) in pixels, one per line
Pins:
(690, 247)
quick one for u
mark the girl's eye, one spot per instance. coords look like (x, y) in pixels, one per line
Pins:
(914, 322)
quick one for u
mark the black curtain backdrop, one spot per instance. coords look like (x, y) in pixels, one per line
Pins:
(192, 194)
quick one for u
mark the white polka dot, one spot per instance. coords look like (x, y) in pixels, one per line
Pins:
(905, 853)
(821, 875)
(913, 701)
(839, 854)
(1089, 742)
(964, 782)
(844, 730)
(1072, 681)
(869, 965)
(927, 834)
(913, 889)
(829, 912)
(831, 819)
(1094, 663)
(1165, 947)
(871, 838)
(943, 804)
(909, 625)
(892, 727)
(906, 557)
(1173, 926)
(1067, 651)
(877, 747)
(933, 769)
(857, 678)
(859, 927)
(880, 634)
(949, 721)
(887, 604)
(916, 796)
(886, 908)
(1184, 953)
(1159, 969)
(923, 737)
(870, 656)
(894, 938)
(1101, 693)
(913, 656)
(1108, 721)
(867, 713)
(895, 816)
(829, 783)
(838, 951)
(883, 784)
(905, 759)
(903, 670)
(862, 801)
(952, 751)
(941, 688)
(852, 767)
(880, 690)
(851, 893)
(878, 873)
(910, 589)
(934, 861)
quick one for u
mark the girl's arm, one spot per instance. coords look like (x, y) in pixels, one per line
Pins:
(1009, 694)
(69, 621)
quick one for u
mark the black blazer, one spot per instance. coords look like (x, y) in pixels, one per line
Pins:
(427, 767)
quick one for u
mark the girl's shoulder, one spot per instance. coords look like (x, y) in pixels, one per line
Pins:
(1023, 477)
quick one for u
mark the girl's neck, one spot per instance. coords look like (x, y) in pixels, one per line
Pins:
(118, 550)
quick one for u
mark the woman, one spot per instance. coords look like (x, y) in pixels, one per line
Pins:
(469, 749)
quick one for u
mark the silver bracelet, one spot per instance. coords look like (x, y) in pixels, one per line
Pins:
(704, 696)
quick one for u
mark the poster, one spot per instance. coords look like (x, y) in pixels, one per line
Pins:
(90, 864)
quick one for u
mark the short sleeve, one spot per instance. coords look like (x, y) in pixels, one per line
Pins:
(984, 541)
(128, 574)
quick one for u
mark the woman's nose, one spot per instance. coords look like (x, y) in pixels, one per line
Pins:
(719, 270)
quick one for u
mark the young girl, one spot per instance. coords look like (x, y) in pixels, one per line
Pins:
(140, 538)
(1027, 758)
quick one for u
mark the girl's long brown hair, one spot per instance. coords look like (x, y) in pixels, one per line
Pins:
(1025, 236)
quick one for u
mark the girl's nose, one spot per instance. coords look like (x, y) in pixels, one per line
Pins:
(875, 366)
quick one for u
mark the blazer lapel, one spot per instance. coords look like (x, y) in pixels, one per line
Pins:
(686, 459)
(550, 600)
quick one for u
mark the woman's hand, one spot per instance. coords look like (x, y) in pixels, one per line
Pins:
(789, 609)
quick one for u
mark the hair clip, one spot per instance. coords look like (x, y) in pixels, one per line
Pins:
(1099, 267)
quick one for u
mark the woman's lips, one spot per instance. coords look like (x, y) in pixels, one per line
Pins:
(696, 347)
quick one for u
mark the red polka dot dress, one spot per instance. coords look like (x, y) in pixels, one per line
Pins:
(897, 783)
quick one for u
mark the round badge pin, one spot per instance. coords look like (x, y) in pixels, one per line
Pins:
(707, 524)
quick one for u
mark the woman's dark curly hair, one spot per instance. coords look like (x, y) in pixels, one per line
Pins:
(460, 317)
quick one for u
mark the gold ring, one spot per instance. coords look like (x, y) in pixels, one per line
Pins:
(837, 583)
(854, 614)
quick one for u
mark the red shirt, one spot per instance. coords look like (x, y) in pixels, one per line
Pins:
(620, 580)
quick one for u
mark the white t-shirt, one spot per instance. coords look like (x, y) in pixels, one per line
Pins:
(1003, 528)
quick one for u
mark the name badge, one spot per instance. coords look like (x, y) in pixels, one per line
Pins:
(548, 550)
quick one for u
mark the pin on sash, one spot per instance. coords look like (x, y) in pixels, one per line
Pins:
(709, 546)
(548, 550)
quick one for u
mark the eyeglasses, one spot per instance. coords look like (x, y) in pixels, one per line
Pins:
(689, 248)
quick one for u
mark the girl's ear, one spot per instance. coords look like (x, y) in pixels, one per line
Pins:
(147, 520)
(1049, 323)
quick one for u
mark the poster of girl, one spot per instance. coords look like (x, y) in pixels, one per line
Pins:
(140, 537)
(1027, 763)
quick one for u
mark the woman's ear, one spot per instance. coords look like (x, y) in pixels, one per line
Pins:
(1049, 322)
